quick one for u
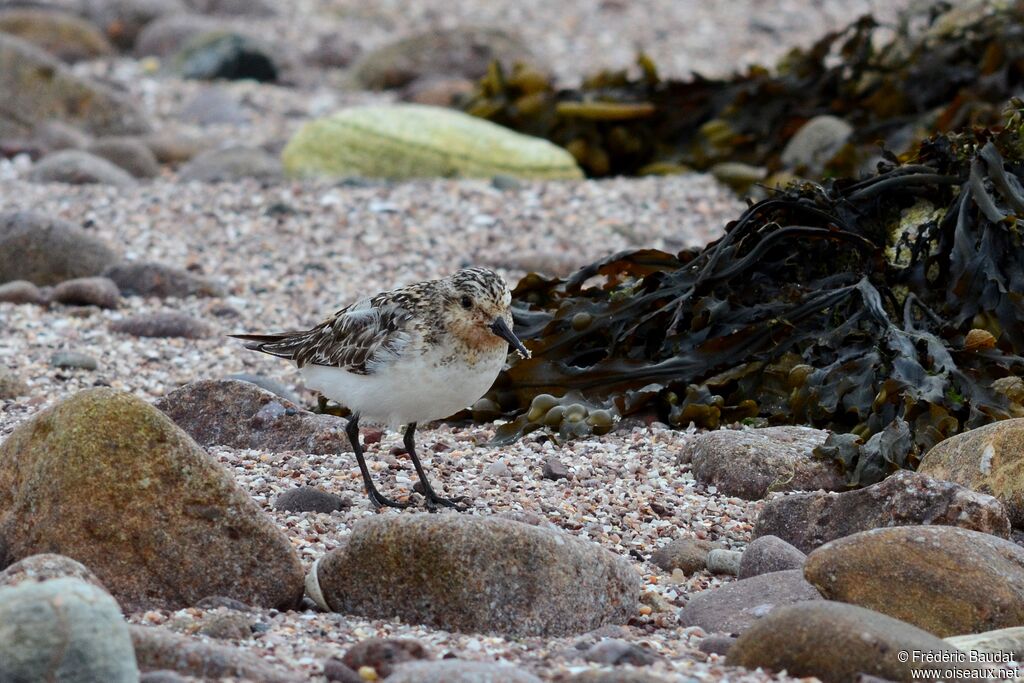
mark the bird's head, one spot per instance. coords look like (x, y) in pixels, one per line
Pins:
(478, 310)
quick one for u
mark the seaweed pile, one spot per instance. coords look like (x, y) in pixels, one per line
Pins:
(956, 66)
(890, 310)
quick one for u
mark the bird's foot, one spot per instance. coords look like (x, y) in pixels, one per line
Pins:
(379, 500)
(436, 502)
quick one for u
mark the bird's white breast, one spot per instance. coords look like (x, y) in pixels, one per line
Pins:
(416, 387)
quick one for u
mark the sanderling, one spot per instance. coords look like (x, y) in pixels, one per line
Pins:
(414, 354)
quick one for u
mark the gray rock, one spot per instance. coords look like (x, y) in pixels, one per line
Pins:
(808, 520)
(159, 649)
(467, 573)
(53, 135)
(153, 279)
(234, 163)
(123, 19)
(835, 642)
(383, 654)
(241, 415)
(751, 463)
(46, 251)
(249, 8)
(217, 601)
(63, 35)
(268, 384)
(616, 652)
(77, 167)
(717, 644)
(175, 147)
(988, 459)
(66, 630)
(310, 499)
(498, 470)
(456, 671)
(617, 676)
(734, 607)
(35, 87)
(721, 561)
(687, 554)
(769, 554)
(1002, 641)
(227, 625)
(212, 106)
(161, 325)
(464, 52)
(45, 567)
(21, 292)
(167, 35)
(554, 469)
(88, 291)
(11, 386)
(107, 479)
(162, 676)
(336, 670)
(74, 360)
(128, 153)
(226, 54)
(334, 51)
(814, 145)
(946, 580)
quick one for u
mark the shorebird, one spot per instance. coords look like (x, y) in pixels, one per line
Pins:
(411, 355)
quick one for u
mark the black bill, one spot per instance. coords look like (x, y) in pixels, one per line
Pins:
(500, 328)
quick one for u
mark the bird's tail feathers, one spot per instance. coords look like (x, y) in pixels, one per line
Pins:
(281, 344)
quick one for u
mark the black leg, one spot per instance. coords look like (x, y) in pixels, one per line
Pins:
(376, 497)
(433, 500)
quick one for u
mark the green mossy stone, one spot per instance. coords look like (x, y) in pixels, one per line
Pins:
(418, 141)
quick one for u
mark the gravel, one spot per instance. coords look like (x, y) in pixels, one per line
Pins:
(287, 254)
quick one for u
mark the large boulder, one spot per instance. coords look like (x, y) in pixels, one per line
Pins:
(63, 630)
(46, 251)
(63, 35)
(239, 414)
(108, 480)
(988, 459)
(732, 608)
(484, 574)
(808, 520)
(836, 643)
(751, 463)
(943, 579)
(464, 52)
(413, 141)
(35, 86)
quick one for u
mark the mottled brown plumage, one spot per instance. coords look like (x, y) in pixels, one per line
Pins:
(414, 354)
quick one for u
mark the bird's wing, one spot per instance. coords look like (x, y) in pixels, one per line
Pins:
(359, 339)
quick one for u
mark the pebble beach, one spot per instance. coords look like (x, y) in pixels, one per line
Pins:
(283, 253)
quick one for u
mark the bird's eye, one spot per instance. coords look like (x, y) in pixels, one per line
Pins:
(467, 303)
